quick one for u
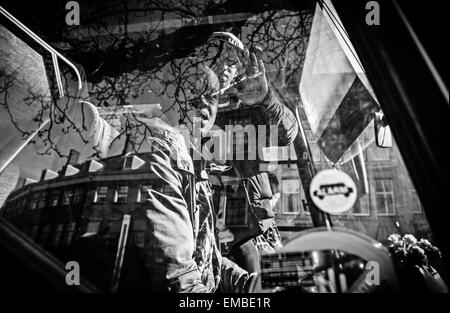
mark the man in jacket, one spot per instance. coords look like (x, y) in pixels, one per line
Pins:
(181, 252)
(251, 103)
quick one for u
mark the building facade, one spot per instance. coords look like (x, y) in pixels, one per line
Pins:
(78, 212)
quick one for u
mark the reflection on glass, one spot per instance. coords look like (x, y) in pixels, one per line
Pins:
(291, 196)
(302, 67)
(101, 194)
(68, 197)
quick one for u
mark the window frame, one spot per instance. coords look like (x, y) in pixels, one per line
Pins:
(384, 193)
(58, 234)
(128, 158)
(141, 197)
(118, 193)
(69, 231)
(97, 193)
(54, 195)
(300, 209)
(43, 201)
(65, 197)
(34, 202)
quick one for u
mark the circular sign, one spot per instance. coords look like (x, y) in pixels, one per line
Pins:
(333, 191)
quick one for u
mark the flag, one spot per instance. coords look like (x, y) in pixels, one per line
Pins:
(338, 100)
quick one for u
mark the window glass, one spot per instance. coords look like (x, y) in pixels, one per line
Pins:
(92, 227)
(34, 201)
(121, 194)
(311, 69)
(101, 194)
(139, 233)
(54, 198)
(384, 194)
(68, 233)
(144, 193)
(57, 235)
(42, 200)
(385, 204)
(68, 197)
(291, 196)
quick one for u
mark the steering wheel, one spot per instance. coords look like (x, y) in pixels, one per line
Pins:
(350, 243)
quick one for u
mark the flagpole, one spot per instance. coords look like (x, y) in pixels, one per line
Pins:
(307, 171)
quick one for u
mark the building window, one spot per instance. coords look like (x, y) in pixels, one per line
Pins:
(128, 162)
(68, 197)
(34, 201)
(144, 193)
(92, 227)
(55, 198)
(139, 233)
(43, 200)
(384, 194)
(57, 235)
(290, 196)
(139, 238)
(101, 194)
(121, 194)
(68, 236)
(78, 196)
(139, 195)
(415, 202)
(362, 206)
(236, 207)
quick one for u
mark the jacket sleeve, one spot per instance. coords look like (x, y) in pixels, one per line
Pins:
(277, 113)
(235, 279)
(169, 241)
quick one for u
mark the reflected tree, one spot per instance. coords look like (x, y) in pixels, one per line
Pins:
(129, 48)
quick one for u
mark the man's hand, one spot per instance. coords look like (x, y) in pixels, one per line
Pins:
(253, 88)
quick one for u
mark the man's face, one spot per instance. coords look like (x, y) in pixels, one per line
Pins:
(207, 112)
(225, 60)
(205, 102)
